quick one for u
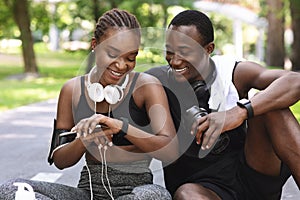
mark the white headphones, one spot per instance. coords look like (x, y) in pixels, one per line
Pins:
(111, 93)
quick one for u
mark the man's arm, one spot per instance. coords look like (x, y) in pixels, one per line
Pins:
(278, 88)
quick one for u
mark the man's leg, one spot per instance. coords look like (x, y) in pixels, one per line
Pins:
(193, 191)
(272, 138)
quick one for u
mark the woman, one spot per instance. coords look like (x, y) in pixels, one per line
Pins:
(122, 121)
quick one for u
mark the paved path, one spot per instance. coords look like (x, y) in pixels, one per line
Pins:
(25, 134)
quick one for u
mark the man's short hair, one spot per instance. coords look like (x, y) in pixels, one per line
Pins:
(198, 19)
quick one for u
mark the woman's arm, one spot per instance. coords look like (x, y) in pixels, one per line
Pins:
(162, 143)
(71, 153)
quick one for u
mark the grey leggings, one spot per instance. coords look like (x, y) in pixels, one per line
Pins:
(44, 191)
(128, 181)
(55, 191)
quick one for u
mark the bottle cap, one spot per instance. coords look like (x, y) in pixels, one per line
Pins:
(24, 192)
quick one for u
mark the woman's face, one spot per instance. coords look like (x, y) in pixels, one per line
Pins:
(116, 53)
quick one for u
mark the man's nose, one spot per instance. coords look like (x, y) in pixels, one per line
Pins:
(175, 60)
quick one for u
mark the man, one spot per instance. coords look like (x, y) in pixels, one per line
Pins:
(244, 148)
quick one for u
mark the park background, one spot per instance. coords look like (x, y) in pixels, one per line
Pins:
(43, 43)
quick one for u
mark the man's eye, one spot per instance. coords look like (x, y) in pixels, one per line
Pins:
(169, 52)
(183, 53)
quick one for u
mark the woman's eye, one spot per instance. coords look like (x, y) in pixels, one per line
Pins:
(131, 59)
(111, 55)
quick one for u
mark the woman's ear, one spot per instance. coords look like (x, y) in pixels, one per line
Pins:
(93, 43)
(210, 47)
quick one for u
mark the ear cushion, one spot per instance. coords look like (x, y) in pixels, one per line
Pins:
(202, 93)
(95, 92)
(199, 86)
(112, 94)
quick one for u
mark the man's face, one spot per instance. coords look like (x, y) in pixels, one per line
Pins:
(184, 53)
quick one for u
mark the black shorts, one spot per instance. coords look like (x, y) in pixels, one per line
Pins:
(226, 173)
(255, 185)
(249, 184)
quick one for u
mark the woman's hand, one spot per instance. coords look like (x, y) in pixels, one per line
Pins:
(98, 129)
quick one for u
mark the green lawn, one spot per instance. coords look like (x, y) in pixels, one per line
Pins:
(55, 69)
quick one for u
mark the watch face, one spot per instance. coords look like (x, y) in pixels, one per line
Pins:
(244, 101)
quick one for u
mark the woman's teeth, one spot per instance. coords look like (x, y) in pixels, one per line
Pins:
(116, 73)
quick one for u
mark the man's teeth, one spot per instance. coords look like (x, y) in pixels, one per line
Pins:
(180, 70)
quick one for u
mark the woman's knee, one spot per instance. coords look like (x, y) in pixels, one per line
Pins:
(8, 189)
(152, 191)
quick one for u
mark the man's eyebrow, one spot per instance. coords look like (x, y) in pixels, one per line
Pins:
(182, 47)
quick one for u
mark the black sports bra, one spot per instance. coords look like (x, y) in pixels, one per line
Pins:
(136, 116)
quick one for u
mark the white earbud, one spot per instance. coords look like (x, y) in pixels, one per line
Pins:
(111, 93)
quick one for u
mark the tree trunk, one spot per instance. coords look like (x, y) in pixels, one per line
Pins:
(22, 18)
(295, 14)
(275, 52)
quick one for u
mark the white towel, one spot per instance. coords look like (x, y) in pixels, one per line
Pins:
(223, 93)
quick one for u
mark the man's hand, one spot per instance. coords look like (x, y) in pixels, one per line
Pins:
(211, 126)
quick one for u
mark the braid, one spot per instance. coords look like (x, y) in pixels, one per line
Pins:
(115, 18)
(198, 19)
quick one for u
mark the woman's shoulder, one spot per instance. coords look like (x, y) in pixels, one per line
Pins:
(147, 78)
(72, 84)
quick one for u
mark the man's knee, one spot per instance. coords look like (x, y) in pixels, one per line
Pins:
(191, 191)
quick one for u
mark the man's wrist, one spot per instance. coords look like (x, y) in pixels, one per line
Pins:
(246, 103)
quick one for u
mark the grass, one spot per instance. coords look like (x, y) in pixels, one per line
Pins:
(55, 69)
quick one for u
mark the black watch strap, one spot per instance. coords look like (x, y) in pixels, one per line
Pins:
(246, 103)
(124, 128)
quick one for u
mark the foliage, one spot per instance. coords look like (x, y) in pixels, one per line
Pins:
(7, 27)
(40, 19)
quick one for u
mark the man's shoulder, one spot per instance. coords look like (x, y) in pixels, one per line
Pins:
(225, 59)
(225, 63)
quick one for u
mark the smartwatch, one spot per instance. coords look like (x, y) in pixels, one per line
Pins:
(246, 103)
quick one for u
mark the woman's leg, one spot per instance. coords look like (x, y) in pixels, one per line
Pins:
(44, 191)
(147, 192)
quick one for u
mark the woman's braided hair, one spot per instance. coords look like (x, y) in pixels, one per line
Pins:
(115, 18)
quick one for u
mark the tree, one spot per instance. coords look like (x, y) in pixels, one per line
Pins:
(275, 52)
(22, 19)
(295, 14)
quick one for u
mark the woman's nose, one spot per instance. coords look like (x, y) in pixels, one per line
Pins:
(120, 64)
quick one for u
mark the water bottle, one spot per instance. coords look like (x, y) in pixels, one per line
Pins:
(24, 192)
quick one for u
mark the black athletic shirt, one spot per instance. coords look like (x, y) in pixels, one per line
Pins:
(217, 167)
